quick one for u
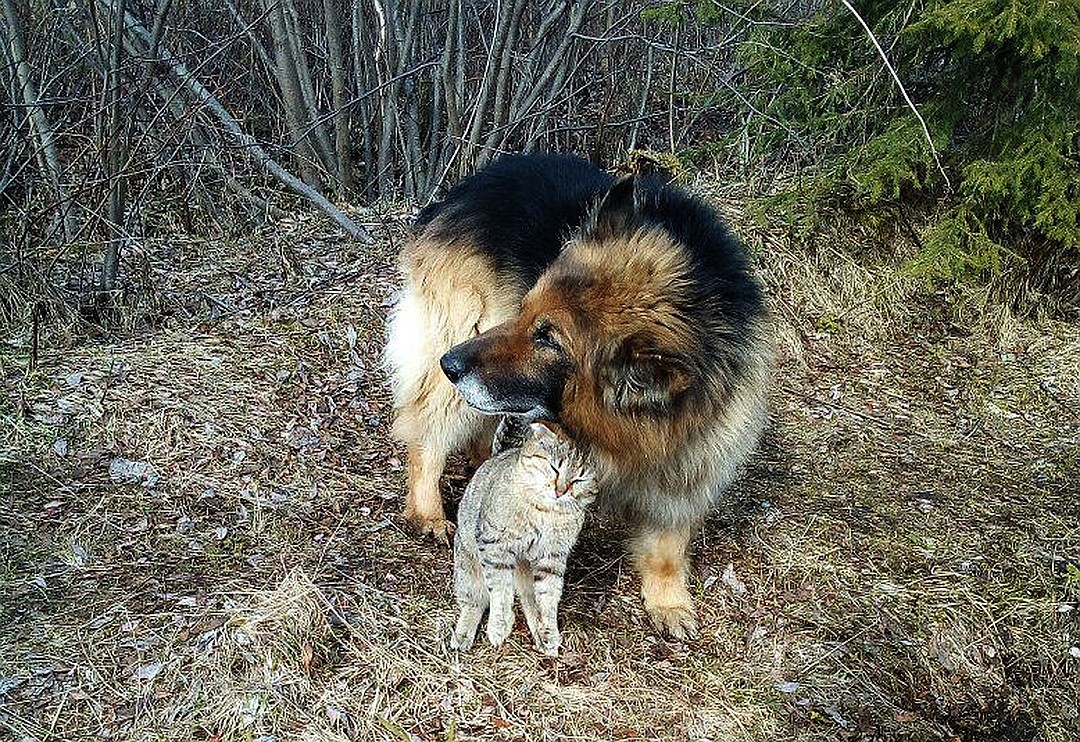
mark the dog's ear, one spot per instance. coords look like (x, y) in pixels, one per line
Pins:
(616, 214)
(641, 378)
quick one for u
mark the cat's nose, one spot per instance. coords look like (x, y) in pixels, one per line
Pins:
(453, 365)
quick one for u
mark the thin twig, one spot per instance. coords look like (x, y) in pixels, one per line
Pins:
(903, 91)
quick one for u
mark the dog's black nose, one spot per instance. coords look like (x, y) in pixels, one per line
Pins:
(453, 365)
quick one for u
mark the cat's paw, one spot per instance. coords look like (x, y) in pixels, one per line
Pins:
(548, 642)
(497, 631)
(462, 641)
(549, 647)
(675, 621)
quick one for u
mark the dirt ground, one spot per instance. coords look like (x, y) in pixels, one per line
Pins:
(201, 536)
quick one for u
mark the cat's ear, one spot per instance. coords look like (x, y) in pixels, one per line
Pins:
(539, 431)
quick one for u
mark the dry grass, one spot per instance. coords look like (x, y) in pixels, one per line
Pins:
(201, 541)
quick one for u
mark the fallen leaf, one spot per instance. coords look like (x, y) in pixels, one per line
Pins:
(732, 580)
(148, 672)
(126, 471)
(836, 716)
(307, 654)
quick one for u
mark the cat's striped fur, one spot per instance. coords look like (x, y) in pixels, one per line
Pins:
(517, 522)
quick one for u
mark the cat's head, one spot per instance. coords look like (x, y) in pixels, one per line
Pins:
(556, 467)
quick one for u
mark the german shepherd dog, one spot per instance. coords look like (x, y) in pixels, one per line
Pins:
(624, 309)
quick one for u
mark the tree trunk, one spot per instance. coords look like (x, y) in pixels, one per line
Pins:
(384, 73)
(115, 155)
(313, 125)
(501, 103)
(49, 157)
(332, 16)
(405, 87)
(554, 71)
(504, 15)
(291, 95)
(362, 54)
(636, 126)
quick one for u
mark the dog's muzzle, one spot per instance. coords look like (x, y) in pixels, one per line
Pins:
(507, 394)
(453, 365)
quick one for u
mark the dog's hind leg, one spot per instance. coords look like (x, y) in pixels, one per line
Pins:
(433, 425)
(661, 558)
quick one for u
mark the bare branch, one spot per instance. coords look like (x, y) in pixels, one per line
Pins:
(903, 91)
(248, 142)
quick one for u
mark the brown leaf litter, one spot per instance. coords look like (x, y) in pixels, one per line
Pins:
(201, 536)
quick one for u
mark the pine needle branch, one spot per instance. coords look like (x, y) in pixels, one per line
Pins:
(903, 91)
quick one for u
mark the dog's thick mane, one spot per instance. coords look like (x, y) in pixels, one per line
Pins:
(517, 212)
(717, 301)
(657, 268)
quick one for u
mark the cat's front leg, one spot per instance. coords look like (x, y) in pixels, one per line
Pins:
(470, 591)
(548, 587)
(523, 586)
(498, 566)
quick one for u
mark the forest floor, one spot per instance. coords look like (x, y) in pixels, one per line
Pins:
(200, 535)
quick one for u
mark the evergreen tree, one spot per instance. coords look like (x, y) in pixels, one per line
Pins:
(998, 83)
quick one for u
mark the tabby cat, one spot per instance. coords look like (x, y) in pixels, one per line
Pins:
(517, 522)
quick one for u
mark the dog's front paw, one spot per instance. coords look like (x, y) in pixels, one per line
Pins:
(675, 621)
(436, 528)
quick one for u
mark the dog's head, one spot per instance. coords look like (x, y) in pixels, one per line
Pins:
(603, 329)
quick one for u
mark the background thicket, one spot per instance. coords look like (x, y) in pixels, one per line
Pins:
(129, 119)
(998, 85)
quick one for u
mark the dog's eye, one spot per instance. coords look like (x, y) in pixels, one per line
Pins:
(545, 338)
